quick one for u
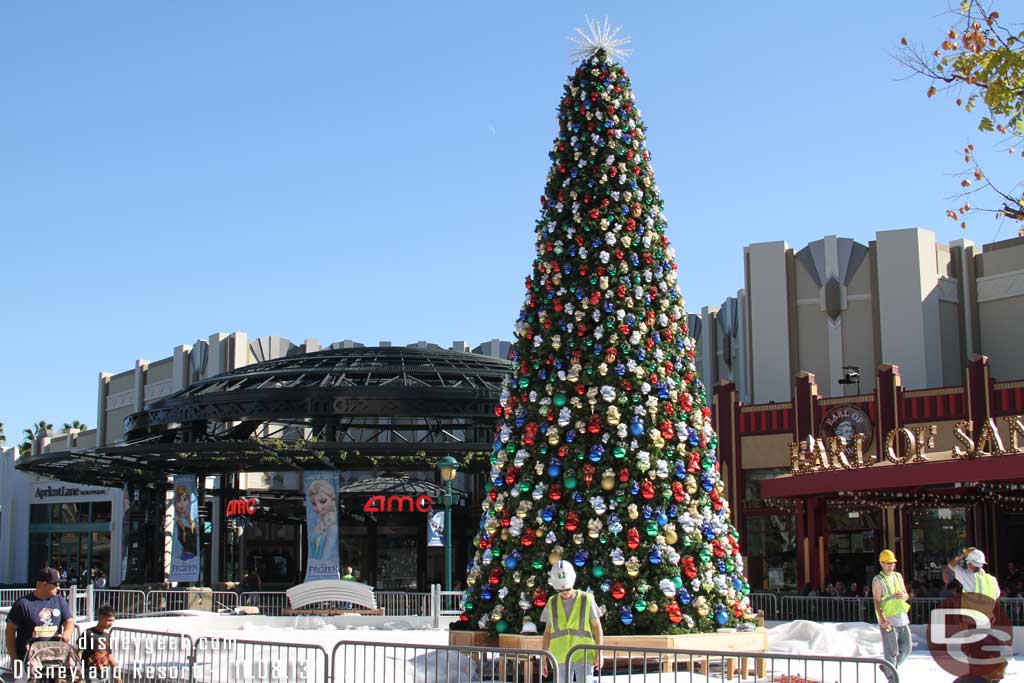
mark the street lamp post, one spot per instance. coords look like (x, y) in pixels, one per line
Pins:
(449, 467)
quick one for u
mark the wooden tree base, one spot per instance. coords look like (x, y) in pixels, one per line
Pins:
(739, 642)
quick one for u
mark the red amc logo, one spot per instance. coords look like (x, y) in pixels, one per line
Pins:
(399, 504)
(242, 507)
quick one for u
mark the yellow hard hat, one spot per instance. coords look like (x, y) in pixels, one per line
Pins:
(886, 556)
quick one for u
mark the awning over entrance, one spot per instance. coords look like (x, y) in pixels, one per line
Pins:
(397, 486)
(885, 476)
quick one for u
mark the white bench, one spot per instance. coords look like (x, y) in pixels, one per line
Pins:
(332, 590)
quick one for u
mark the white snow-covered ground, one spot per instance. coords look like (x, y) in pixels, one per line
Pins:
(415, 659)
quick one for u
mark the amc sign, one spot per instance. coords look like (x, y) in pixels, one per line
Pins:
(242, 507)
(399, 504)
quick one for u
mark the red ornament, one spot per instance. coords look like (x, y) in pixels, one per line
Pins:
(594, 426)
(618, 590)
(572, 522)
(688, 568)
(588, 474)
(632, 538)
(678, 494)
(624, 475)
(540, 598)
(529, 538)
(647, 489)
(495, 578)
(555, 493)
(675, 615)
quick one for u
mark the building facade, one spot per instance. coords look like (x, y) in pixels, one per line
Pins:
(839, 339)
(271, 542)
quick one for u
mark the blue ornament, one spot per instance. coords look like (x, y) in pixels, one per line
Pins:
(620, 369)
(636, 427)
(641, 355)
(662, 388)
(720, 565)
(511, 562)
(580, 557)
(662, 518)
(654, 557)
(647, 511)
(737, 583)
(596, 453)
(577, 497)
(548, 514)
(626, 616)
(570, 436)
(683, 596)
(706, 481)
(606, 586)
(634, 488)
(485, 594)
(554, 468)
(721, 618)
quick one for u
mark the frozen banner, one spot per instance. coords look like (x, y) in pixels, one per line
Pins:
(435, 529)
(321, 524)
(185, 530)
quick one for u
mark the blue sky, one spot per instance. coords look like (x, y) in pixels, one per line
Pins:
(372, 170)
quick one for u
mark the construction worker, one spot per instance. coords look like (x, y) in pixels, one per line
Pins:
(891, 606)
(571, 618)
(981, 592)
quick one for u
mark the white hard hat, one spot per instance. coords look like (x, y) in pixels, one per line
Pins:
(562, 576)
(976, 557)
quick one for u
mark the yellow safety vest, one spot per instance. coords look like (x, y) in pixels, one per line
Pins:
(568, 632)
(985, 584)
(891, 605)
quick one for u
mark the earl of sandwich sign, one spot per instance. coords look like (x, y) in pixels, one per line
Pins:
(905, 446)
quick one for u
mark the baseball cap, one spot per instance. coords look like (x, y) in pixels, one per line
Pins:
(976, 557)
(48, 575)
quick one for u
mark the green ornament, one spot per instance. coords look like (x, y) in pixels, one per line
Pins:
(501, 626)
(559, 399)
(729, 564)
(468, 605)
(570, 482)
(705, 555)
(640, 605)
(619, 452)
(510, 448)
(543, 450)
(537, 563)
(488, 486)
(524, 382)
(603, 539)
(597, 572)
(651, 529)
(677, 581)
(525, 486)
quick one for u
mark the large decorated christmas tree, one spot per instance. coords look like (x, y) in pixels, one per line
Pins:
(605, 455)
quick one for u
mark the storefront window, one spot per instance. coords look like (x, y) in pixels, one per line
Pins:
(74, 537)
(770, 544)
(937, 534)
(853, 546)
(753, 479)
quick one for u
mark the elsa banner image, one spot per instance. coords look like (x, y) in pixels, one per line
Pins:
(321, 525)
(185, 530)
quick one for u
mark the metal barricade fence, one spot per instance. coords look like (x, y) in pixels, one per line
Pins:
(271, 603)
(825, 609)
(9, 595)
(1014, 608)
(174, 600)
(125, 603)
(666, 664)
(401, 663)
(399, 604)
(220, 660)
(151, 655)
(768, 603)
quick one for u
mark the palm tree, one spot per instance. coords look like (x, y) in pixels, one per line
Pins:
(3, 437)
(80, 426)
(37, 428)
